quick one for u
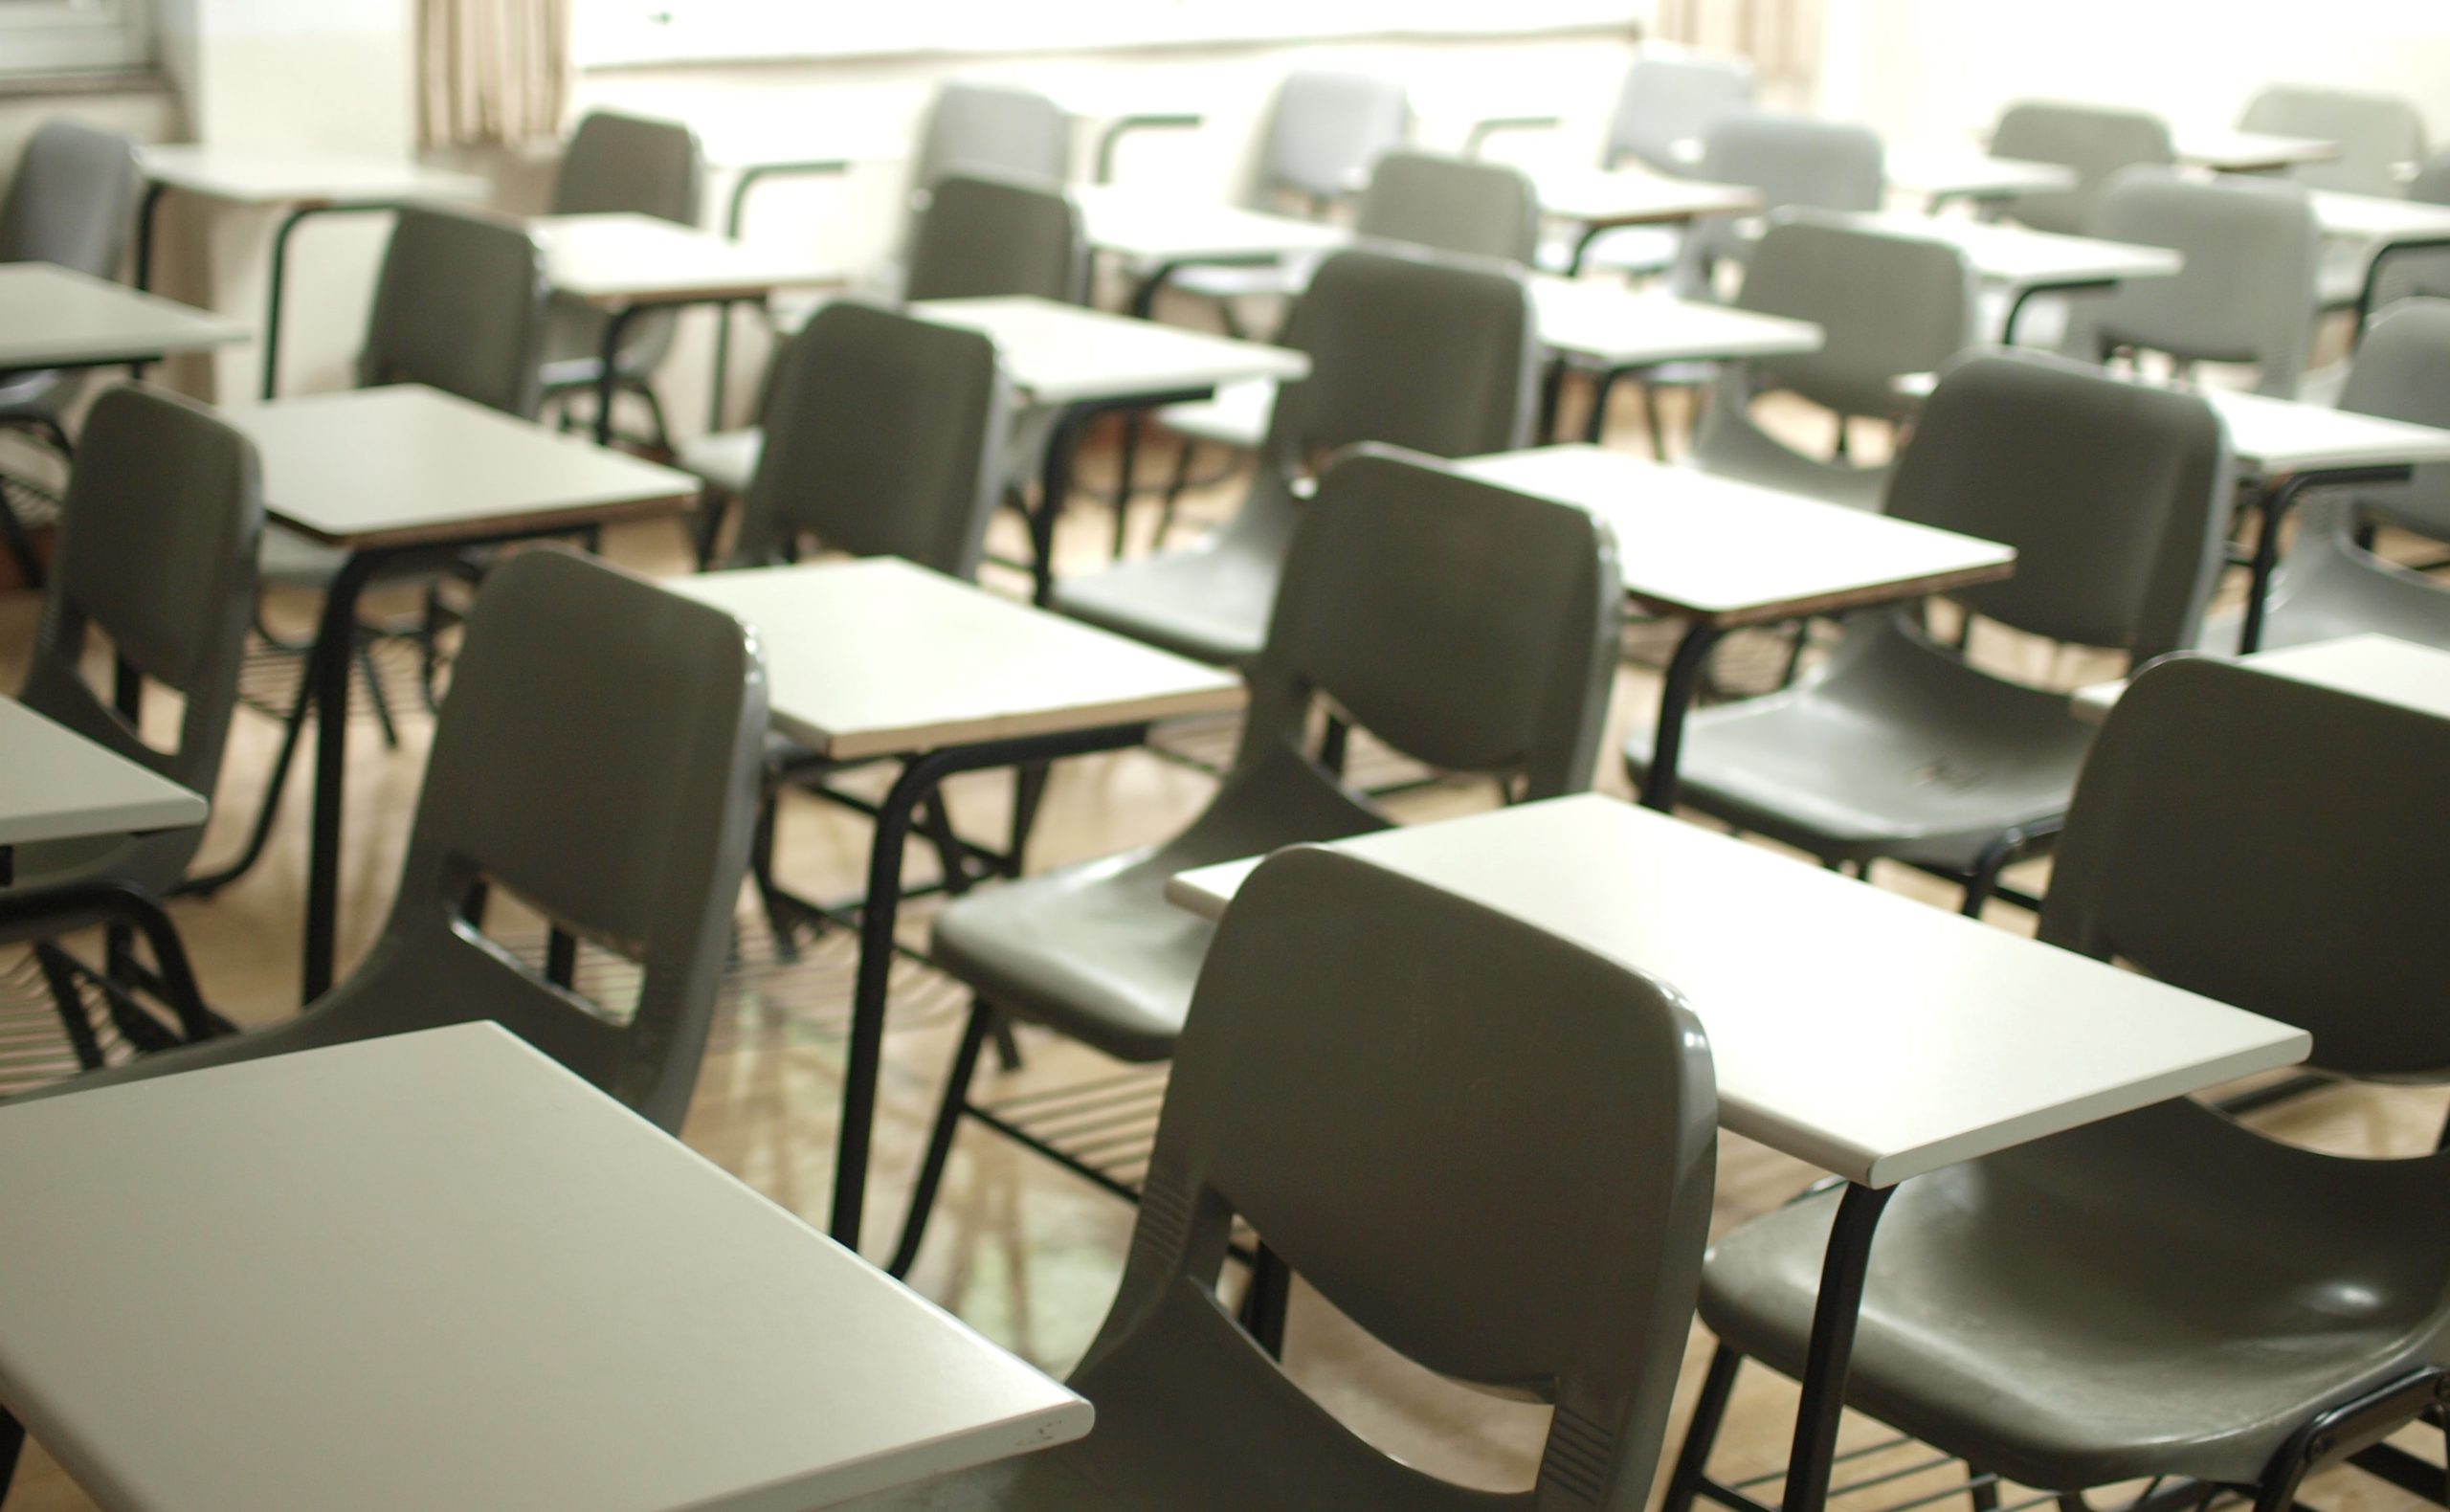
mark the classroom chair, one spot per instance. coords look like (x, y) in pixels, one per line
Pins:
(1462, 206)
(157, 552)
(885, 437)
(598, 761)
(2380, 137)
(459, 306)
(1889, 303)
(2330, 585)
(979, 236)
(2097, 142)
(1489, 1050)
(995, 129)
(2115, 496)
(2168, 1293)
(2418, 271)
(1468, 627)
(1323, 132)
(616, 162)
(2245, 293)
(1437, 356)
(73, 203)
(1796, 163)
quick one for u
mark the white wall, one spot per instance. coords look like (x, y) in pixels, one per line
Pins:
(1925, 69)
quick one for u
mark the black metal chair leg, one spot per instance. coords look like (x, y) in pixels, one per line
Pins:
(374, 695)
(292, 728)
(1127, 473)
(940, 1138)
(1168, 512)
(1651, 418)
(1701, 1433)
(654, 414)
(1008, 1048)
(1029, 792)
(780, 916)
(12, 1443)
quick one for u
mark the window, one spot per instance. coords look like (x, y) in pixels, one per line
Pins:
(62, 37)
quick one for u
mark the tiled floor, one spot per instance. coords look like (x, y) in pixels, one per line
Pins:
(1027, 1253)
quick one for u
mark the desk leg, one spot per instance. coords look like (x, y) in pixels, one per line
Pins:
(1054, 485)
(608, 382)
(272, 298)
(148, 219)
(1676, 694)
(1582, 247)
(919, 781)
(1834, 1316)
(327, 667)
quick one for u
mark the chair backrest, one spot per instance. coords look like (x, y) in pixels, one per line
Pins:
(1796, 163)
(998, 129)
(987, 235)
(2095, 140)
(2265, 842)
(2115, 496)
(459, 306)
(884, 436)
(2402, 371)
(1888, 303)
(2376, 134)
(1430, 355)
(1670, 102)
(1324, 131)
(633, 164)
(157, 551)
(1538, 1120)
(73, 201)
(2246, 292)
(2421, 273)
(1469, 627)
(1465, 206)
(598, 757)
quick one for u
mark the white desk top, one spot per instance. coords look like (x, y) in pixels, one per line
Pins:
(1068, 354)
(57, 785)
(405, 464)
(2379, 667)
(621, 260)
(2250, 151)
(2282, 435)
(1700, 547)
(1946, 171)
(1632, 197)
(1875, 1036)
(301, 176)
(439, 1271)
(2374, 217)
(52, 316)
(1162, 227)
(878, 657)
(1603, 322)
(2019, 257)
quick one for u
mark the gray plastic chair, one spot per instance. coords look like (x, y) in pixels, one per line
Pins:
(2377, 134)
(2115, 496)
(2169, 1292)
(1468, 627)
(2417, 272)
(2246, 294)
(618, 163)
(1796, 163)
(998, 130)
(1461, 206)
(2328, 586)
(2097, 142)
(1324, 134)
(157, 551)
(1574, 1289)
(1889, 303)
(599, 759)
(1671, 102)
(73, 202)
(1435, 356)
(979, 236)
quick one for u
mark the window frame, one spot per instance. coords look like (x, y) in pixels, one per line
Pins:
(42, 38)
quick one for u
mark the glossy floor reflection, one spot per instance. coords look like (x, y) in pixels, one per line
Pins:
(1027, 1253)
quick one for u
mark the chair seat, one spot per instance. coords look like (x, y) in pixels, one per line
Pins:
(2165, 1293)
(1899, 751)
(1210, 601)
(42, 394)
(2327, 590)
(726, 459)
(1238, 417)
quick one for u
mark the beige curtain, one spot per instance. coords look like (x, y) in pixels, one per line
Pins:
(492, 73)
(1782, 37)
